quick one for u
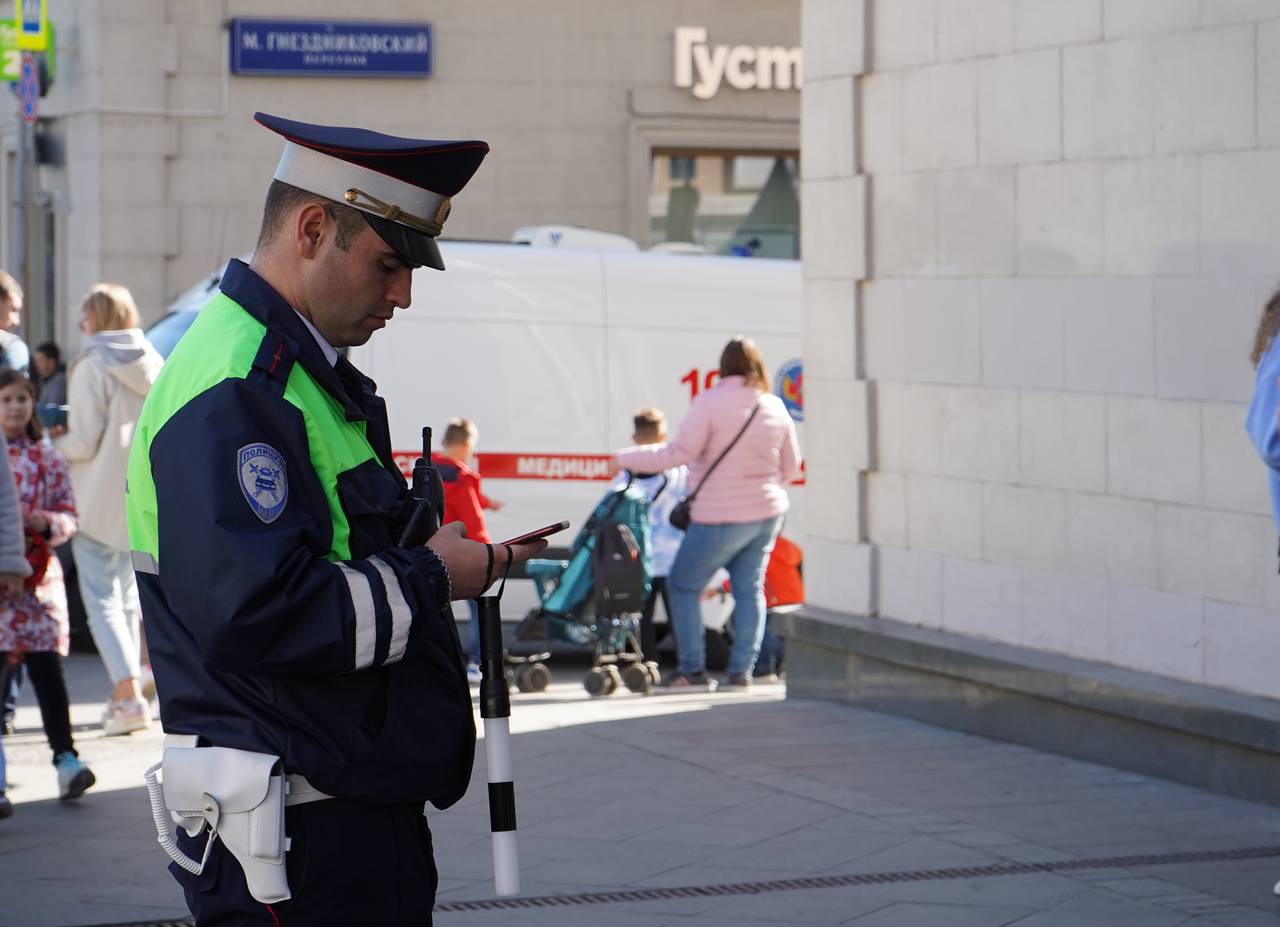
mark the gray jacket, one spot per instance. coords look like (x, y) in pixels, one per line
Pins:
(13, 546)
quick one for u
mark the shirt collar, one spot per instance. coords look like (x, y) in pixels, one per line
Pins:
(258, 298)
(329, 351)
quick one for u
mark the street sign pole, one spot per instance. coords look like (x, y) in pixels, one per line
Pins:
(28, 105)
(31, 34)
(22, 197)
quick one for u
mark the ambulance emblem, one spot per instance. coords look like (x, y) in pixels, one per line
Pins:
(788, 385)
(263, 480)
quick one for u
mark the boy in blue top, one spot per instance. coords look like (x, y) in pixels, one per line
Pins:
(663, 491)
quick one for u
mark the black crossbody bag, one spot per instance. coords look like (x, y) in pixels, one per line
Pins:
(679, 516)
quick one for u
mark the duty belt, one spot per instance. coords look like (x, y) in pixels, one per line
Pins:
(298, 790)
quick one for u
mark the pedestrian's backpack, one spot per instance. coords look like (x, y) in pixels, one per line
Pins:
(619, 571)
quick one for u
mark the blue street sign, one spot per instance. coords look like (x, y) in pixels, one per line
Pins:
(29, 89)
(279, 47)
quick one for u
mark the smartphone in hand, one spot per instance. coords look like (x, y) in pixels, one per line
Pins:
(537, 535)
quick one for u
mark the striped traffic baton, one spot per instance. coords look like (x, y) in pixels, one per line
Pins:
(495, 709)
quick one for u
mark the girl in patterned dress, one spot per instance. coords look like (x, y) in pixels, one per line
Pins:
(33, 623)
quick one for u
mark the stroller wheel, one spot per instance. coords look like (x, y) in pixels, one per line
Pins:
(533, 677)
(615, 679)
(596, 682)
(636, 678)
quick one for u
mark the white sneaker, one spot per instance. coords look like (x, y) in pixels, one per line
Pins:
(474, 676)
(125, 717)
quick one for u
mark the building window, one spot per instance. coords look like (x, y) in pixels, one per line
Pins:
(727, 202)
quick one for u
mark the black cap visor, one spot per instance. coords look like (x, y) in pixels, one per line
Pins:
(414, 248)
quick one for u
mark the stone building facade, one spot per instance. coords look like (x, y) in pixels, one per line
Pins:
(1039, 235)
(162, 170)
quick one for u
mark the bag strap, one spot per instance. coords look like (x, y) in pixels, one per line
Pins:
(660, 491)
(703, 482)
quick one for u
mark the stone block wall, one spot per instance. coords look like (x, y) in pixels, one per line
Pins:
(1045, 254)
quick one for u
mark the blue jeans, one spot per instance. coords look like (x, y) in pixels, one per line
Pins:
(473, 634)
(742, 549)
(110, 595)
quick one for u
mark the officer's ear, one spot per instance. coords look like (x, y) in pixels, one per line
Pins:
(310, 228)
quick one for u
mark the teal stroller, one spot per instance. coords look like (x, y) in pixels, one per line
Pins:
(594, 599)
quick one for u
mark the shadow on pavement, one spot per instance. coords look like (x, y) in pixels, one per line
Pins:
(633, 793)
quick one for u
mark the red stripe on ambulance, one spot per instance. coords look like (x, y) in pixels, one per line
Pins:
(494, 466)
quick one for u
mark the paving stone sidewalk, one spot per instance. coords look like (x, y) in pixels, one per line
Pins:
(642, 794)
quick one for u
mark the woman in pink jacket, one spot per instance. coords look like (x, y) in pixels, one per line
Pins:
(736, 515)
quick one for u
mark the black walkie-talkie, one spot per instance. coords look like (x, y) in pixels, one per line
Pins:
(427, 497)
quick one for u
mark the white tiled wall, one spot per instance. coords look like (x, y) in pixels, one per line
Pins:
(1140, 17)
(939, 113)
(1023, 90)
(1070, 223)
(1050, 23)
(841, 440)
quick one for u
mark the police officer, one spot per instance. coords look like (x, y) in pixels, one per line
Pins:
(264, 506)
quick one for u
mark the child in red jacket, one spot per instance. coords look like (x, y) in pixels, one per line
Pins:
(783, 592)
(465, 502)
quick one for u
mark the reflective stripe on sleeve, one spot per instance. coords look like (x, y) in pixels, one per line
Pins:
(143, 562)
(401, 613)
(362, 604)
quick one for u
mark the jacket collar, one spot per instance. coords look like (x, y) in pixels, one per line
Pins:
(257, 297)
(444, 460)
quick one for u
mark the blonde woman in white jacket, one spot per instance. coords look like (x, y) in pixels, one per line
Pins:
(105, 389)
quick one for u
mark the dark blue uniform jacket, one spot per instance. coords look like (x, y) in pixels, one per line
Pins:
(255, 637)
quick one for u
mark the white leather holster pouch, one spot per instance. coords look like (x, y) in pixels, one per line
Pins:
(240, 796)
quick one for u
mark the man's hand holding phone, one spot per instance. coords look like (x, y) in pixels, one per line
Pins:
(468, 561)
(539, 534)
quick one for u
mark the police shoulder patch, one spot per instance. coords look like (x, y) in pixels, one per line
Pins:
(263, 480)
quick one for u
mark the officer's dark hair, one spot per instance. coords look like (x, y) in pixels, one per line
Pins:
(51, 351)
(9, 376)
(284, 198)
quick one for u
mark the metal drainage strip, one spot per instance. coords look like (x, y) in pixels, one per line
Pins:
(869, 878)
(841, 881)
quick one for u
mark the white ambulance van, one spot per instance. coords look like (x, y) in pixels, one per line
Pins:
(549, 344)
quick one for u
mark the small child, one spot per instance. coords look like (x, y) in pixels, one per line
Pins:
(33, 619)
(783, 592)
(663, 490)
(465, 502)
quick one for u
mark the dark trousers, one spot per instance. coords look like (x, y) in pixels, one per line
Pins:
(771, 647)
(45, 672)
(11, 689)
(649, 636)
(350, 863)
